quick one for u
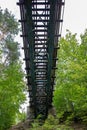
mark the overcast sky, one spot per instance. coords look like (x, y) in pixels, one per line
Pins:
(75, 14)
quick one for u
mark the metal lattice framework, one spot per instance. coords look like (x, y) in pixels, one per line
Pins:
(41, 26)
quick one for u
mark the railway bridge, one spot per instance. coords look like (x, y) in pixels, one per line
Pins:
(41, 22)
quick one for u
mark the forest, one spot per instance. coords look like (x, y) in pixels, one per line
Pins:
(70, 94)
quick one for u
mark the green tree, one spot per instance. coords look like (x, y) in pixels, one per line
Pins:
(12, 85)
(70, 96)
(8, 30)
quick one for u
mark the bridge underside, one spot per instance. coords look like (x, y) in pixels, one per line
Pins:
(41, 26)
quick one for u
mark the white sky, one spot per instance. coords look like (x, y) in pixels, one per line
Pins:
(75, 17)
(75, 14)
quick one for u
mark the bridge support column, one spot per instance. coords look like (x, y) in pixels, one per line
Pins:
(52, 111)
(30, 113)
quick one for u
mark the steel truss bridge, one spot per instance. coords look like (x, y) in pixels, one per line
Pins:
(41, 22)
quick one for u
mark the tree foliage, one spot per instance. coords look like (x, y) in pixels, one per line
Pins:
(12, 85)
(70, 96)
(11, 95)
(8, 30)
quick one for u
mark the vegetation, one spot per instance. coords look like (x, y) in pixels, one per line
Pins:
(11, 76)
(70, 96)
(51, 123)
